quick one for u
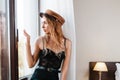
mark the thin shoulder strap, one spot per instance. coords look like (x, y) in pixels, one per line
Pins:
(65, 42)
(43, 42)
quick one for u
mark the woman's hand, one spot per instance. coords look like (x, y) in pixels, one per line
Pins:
(26, 35)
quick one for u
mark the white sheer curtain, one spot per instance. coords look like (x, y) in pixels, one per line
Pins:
(65, 8)
(26, 18)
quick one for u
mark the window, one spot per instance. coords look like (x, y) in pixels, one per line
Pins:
(8, 35)
(26, 18)
(4, 41)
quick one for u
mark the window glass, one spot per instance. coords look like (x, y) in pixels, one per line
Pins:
(4, 41)
(26, 18)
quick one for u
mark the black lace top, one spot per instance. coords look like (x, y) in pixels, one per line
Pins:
(49, 58)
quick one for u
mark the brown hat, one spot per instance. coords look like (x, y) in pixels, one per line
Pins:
(53, 15)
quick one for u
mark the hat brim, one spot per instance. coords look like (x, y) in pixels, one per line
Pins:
(52, 15)
(47, 15)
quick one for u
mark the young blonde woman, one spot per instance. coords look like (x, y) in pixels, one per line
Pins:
(53, 50)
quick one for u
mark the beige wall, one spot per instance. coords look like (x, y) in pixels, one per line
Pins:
(97, 33)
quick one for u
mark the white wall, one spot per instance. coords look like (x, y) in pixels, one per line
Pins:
(97, 33)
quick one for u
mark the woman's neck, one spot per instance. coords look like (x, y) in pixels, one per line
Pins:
(49, 37)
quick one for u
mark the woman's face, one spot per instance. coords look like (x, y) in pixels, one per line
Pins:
(45, 25)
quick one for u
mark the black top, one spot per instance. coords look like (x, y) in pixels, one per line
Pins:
(50, 59)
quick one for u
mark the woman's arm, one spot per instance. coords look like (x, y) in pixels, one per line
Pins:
(67, 60)
(31, 59)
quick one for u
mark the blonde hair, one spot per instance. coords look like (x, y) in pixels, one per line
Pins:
(55, 31)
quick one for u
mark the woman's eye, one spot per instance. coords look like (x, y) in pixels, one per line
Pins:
(44, 22)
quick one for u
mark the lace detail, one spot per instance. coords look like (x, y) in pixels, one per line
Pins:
(49, 58)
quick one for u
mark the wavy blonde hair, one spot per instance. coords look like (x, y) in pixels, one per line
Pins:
(55, 31)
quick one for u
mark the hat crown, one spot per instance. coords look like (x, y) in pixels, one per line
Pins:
(56, 15)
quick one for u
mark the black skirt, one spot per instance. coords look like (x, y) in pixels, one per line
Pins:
(41, 74)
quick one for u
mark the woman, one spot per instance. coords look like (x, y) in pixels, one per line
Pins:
(52, 49)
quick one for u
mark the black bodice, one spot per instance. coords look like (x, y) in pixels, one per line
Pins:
(49, 58)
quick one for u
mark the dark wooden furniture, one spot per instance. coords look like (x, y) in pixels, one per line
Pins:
(110, 75)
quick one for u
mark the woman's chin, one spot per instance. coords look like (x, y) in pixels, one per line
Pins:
(46, 32)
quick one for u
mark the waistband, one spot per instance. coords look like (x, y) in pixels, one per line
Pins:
(48, 69)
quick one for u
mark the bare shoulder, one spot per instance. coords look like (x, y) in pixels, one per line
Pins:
(39, 41)
(39, 38)
(68, 43)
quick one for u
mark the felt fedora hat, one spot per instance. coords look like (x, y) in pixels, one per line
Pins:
(53, 15)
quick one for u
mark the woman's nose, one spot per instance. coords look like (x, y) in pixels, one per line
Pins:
(43, 26)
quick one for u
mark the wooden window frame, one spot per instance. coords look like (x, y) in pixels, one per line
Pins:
(13, 42)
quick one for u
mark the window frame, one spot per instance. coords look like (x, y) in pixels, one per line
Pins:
(14, 72)
(13, 42)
